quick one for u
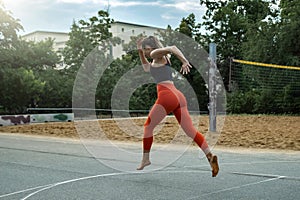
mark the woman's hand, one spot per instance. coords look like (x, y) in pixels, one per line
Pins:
(185, 68)
(139, 43)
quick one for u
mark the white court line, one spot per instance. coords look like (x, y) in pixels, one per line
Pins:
(237, 187)
(49, 186)
(253, 174)
(246, 163)
(263, 162)
(74, 180)
(26, 190)
(271, 177)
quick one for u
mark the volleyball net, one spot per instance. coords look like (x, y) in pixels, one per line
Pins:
(274, 87)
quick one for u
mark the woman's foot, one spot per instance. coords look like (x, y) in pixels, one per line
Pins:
(144, 164)
(213, 161)
(145, 160)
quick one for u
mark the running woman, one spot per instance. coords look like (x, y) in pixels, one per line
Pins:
(169, 99)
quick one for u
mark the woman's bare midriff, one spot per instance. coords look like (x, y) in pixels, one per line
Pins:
(162, 82)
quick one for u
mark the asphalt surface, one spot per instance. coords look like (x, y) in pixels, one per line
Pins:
(49, 168)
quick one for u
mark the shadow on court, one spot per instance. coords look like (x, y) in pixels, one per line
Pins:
(48, 168)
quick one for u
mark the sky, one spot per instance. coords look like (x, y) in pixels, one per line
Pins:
(58, 15)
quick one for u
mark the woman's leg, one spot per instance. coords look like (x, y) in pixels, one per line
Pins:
(156, 115)
(183, 117)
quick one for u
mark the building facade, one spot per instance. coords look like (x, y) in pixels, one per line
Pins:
(60, 38)
(118, 29)
(125, 30)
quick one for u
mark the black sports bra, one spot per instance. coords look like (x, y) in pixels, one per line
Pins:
(162, 73)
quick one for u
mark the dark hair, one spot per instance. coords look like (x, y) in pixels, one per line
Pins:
(151, 41)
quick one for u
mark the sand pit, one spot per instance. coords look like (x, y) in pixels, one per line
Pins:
(260, 132)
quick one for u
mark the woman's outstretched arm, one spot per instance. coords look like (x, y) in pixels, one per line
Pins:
(158, 53)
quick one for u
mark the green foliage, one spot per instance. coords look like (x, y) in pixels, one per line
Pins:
(86, 54)
(57, 91)
(253, 30)
(20, 64)
(77, 48)
(190, 28)
(144, 96)
(18, 87)
(9, 26)
(289, 34)
(257, 30)
(87, 35)
(228, 24)
(30, 55)
(128, 71)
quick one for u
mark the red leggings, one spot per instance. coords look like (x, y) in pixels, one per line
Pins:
(171, 100)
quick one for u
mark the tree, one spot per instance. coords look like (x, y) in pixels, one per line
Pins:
(77, 48)
(18, 88)
(57, 91)
(21, 64)
(86, 54)
(85, 36)
(190, 28)
(274, 40)
(144, 96)
(9, 26)
(228, 23)
(289, 34)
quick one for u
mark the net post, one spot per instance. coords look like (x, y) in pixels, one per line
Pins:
(230, 74)
(212, 88)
